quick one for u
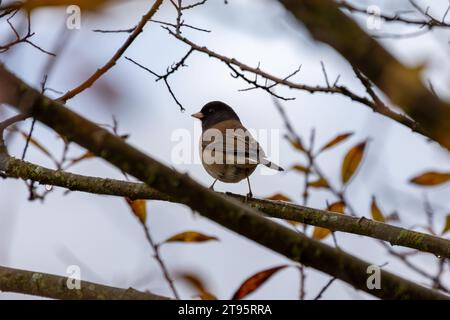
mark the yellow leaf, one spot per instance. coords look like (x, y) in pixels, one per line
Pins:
(83, 4)
(139, 208)
(293, 223)
(377, 215)
(320, 233)
(198, 284)
(352, 161)
(190, 236)
(297, 145)
(321, 183)
(338, 207)
(255, 281)
(447, 224)
(431, 178)
(336, 141)
(279, 197)
(300, 168)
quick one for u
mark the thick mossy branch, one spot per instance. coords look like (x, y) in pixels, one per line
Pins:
(401, 84)
(277, 209)
(55, 287)
(228, 212)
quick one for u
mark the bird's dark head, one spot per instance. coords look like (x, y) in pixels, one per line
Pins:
(214, 112)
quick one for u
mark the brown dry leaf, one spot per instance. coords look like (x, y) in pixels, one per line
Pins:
(352, 161)
(90, 5)
(300, 168)
(198, 284)
(338, 207)
(320, 233)
(207, 296)
(338, 139)
(190, 236)
(139, 208)
(377, 215)
(255, 281)
(86, 155)
(279, 197)
(447, 224)
(321, 183)
(431, 178)
(294, 223)
(297, 145)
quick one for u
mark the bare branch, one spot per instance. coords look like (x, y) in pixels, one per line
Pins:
(53, 286)
(111, 62)
(336, 89)
(171, 70)
(231, 214)
(322, 291)
(403, 85)
(16, 168)
(430, 22)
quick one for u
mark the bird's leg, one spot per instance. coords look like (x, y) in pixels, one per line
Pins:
(249, 194)
(212, 186)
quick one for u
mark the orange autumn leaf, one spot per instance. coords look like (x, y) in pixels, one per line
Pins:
(297, 145)
(338, 139)
(190, 236)
(300, 168)
(447, 224)
(83, 4)
(431, 178)
(139, 208)
(320, 233)
(198, 284)
(352, 161)
(279, 197)
(255, 281)
(207, 296)
(321, 183)
(338, 207)
(293, 223)
(377, 215)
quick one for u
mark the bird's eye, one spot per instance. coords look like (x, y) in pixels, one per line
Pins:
(210, 110)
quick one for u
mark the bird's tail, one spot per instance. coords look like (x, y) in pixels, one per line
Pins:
(271, 165)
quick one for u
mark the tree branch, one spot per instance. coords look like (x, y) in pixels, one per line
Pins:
(401, 84)
(334, 89)
(277, 209)
(430, 22)
(225, 211)
(55, 287)
(97, 74)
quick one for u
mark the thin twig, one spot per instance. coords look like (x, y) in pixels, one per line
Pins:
(321, 292)
(169, 71)
(158, 258)
(111, 62)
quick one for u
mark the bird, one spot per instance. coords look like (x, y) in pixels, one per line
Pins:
(228, 151)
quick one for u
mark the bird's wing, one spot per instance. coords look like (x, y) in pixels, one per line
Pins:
(236, 146)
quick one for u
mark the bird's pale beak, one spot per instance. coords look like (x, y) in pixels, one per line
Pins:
(198, 115)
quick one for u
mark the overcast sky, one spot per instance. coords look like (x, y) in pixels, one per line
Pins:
(99, 234)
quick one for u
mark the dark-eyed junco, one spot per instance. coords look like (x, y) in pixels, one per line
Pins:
(228, 151)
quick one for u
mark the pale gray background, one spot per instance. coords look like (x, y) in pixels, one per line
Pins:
(99, 233)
